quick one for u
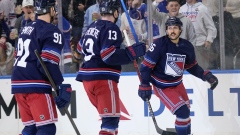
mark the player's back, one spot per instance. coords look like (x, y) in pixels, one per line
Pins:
(101, 35)
(26, 76)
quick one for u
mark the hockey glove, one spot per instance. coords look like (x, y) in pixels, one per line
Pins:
(211, 79)
(145, 92)
(136, 50)
(63, 95)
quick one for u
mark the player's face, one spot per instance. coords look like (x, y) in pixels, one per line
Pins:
(173, 8)
(173, 32)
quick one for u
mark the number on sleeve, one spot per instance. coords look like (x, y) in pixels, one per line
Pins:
(57, 38)
(151, 47)
(112, 35)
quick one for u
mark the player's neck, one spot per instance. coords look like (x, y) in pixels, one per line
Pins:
(175, 41)
(45, 18)
(108, 18)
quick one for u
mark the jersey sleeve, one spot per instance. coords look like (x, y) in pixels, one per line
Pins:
(191, 57)
(150, 60)
(111, 40)
(52, 42)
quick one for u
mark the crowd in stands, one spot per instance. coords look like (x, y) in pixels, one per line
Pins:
(200, 26)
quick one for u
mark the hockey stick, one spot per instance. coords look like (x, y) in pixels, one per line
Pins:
(55, 90)
(134, 35)
(159, 130)
(129, 21)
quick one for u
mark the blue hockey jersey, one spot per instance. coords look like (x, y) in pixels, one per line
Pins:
(102, 54)
(164, 62)
(28, 75)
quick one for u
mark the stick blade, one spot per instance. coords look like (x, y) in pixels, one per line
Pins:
(168, 133)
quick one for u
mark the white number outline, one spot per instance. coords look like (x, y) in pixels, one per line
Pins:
(89, 48)
(57, 38)
(22, 46)
(151, 47)
(110, 33)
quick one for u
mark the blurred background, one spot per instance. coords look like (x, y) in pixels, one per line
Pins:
(74, 16)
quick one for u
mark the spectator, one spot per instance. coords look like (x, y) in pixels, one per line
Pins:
(173, 7)
(233, 7)
(4, 29)
(162, 6)
(8, 7)
(142, 9)
(140, 29)
(205, 31)
(6, 57)
(92, 14)
(28, 16)
(231, 39)
(139, 25)
(18, 8)
(76, 11)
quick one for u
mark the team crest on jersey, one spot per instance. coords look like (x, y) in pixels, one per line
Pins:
(174, 64)
(42, 117)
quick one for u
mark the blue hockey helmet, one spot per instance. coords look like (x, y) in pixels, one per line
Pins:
(43, 6)
(109, 6)
(173, 21)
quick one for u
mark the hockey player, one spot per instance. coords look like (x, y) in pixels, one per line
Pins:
(30, 84)
(101, 69)
(163, 66)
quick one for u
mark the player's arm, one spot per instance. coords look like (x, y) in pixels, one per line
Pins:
(149, 62)
(193, 68)
(51, 53)
(111, 53)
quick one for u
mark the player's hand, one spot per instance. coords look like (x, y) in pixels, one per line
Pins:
(63, 95)
(145, 92)
(211, 79)
(136, 50)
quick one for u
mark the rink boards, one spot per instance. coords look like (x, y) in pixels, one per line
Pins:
(212, 112)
